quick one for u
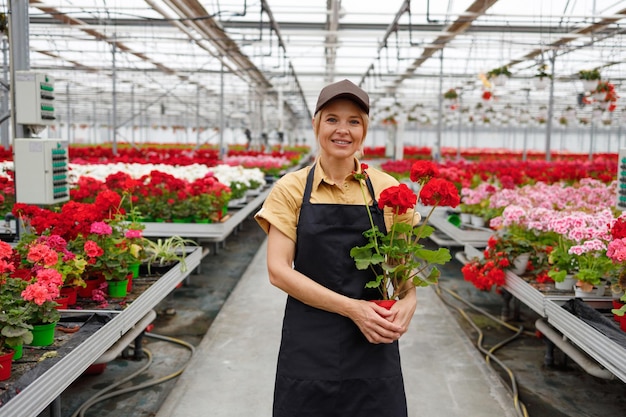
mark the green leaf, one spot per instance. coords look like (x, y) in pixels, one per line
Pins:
(440, 256)
(364, 256)
(431, 278)
(375, 283)
(402, 228)
(423, 231)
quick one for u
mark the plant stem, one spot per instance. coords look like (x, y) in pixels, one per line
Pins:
(369, 214)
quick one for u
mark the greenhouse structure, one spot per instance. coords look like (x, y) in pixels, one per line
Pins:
(191, 190)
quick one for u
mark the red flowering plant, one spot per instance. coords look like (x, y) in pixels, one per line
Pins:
(398, 256)
(95, 231)
(616, 251)
(209, 198)
(160, 196)
(488, 272)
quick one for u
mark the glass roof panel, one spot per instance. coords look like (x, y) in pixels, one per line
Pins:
(183, 53)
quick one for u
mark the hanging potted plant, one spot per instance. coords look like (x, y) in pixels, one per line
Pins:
(451, 94)
(499, 75)
(541, 77)
(590, 78)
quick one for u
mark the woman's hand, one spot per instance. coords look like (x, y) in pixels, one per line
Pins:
(403, 311)
(376, 323)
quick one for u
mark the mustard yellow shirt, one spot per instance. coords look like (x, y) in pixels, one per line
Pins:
(281, 208)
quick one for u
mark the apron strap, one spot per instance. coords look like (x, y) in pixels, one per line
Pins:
(309, 187)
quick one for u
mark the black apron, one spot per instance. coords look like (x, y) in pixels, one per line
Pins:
(326, 366)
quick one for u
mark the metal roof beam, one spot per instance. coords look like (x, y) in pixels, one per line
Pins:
(460, 25)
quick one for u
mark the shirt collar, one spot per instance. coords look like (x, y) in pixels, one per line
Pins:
(319, 175)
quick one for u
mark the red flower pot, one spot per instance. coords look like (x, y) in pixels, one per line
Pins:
(62, 302)
(6, 361)
(92, 284)
(617, 304)
(71, 292)
(385, 303)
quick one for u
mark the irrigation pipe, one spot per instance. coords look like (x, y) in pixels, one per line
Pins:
(520, 408)
(104, 394)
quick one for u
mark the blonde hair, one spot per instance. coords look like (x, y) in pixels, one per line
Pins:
(317, 120)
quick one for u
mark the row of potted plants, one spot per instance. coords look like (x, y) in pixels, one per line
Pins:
(94, 243)
(168, 182)
(556, 218)
(481, 154)
(79, 251)
(185, 194)
(572, 236)
(512, 172)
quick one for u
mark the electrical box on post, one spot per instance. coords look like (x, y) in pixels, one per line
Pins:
(621, 180)
(34, 99)
(41, 171)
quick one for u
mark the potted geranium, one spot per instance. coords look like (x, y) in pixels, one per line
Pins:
(398, 256)
(562, 262)
(51, 251)
(110, 253)
(616, 251)
(209, 198)
(15, 330)
(594, 267)
(42, 289)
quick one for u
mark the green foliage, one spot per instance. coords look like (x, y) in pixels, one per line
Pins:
(14, 314)
(504, 70)
(400, 257)
(589, 75)
(165, 251)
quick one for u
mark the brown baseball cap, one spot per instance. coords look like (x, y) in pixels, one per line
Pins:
(343, 89)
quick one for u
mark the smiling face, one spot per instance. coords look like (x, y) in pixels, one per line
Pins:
(340, 128)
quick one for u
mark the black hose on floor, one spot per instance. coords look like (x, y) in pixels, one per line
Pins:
(105, 394)
(520, 408)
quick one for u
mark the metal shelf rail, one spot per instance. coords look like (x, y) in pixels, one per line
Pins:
(35, 397)
(456, 236)
(572, 330)
(601, 348)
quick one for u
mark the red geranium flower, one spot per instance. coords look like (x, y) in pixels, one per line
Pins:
(397, 257)
(423, 170)
(400, 198)
(618, 231)
(441, 192)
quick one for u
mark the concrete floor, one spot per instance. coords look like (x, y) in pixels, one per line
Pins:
(232, 315)
(232, 373)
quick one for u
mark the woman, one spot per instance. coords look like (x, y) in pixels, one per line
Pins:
(339, 352)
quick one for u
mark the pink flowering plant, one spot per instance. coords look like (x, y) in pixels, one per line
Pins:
(476, 200)
(110, 248)
(52, 251)
(567, 222)
(38, 265)
(14, 327)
